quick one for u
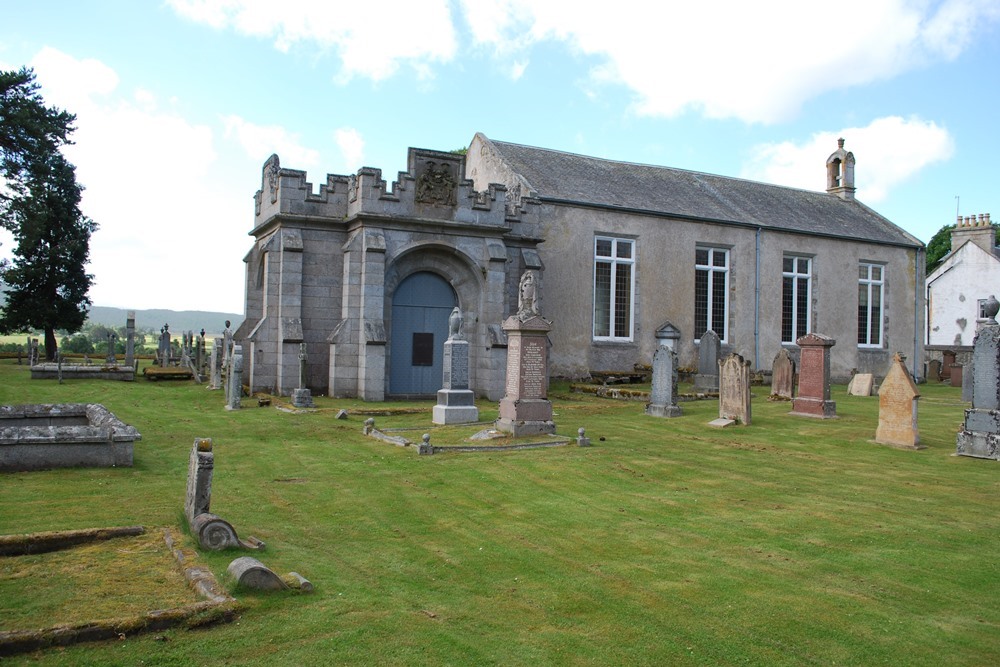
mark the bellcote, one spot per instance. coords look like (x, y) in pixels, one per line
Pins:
(840, 172)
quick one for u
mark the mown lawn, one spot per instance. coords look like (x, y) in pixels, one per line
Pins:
(790, 541)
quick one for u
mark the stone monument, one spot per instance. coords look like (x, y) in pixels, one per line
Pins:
(980, 434)
(709, 348)
(897, 408)
(663, 396)
(525, 408)
(215, 362)
(455, 401)
(163, 350)
(814, 378)
(130, 339)
(734, 389)
(111, 359)
(211, 531)
(783, 376)
(302, 397)
(235, 386)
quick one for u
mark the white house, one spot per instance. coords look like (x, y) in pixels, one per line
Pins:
(958, 288)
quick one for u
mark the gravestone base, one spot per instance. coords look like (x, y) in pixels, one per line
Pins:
(302, 398)
(455, 406)
(663, 410)
(526, 417)
(978, 444)
(814, 407)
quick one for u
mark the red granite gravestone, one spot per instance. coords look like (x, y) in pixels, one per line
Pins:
(813, 398)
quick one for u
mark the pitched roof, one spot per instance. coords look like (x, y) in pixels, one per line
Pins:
(578, 179)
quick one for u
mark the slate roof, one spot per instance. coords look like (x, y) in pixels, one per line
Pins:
(556, 176)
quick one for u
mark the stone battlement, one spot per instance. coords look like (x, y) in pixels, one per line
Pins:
(432, 188)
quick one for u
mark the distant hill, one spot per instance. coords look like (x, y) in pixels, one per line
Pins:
(179, 320)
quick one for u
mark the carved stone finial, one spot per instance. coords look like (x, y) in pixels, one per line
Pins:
(455, 324)
(527, 294)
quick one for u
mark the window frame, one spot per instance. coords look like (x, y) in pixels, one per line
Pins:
(871, 285)
(796, 275)
(614, 261)
(712, 270)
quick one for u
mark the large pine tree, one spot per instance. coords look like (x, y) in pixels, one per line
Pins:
(46, 280)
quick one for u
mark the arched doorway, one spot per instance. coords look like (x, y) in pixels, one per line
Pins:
(420, 309)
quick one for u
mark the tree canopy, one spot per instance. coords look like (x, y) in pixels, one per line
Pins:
(940, 245)
(46, 281)
(27, 126)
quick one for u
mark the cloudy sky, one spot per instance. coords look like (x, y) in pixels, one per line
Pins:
(179, 103)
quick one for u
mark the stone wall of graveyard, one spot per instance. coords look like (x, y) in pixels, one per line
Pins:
(325, 264)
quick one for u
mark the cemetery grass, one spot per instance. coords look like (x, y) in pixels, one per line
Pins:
(789, 541)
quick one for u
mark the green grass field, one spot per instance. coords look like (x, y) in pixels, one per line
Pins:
(791, 541)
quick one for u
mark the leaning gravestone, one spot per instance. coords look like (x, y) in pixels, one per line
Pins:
(980, 434)
(861, 384)
(814, 378)
(897, 408)
(734, 389)
(525, 408)
(707, 378)
(783, 375)
(455, 401)
(663, 395)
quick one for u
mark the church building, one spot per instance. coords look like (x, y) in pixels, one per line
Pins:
(366, 273)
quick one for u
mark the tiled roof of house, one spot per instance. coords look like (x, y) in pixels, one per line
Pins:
(579, 179)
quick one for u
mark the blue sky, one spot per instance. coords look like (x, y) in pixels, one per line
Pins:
(179, 104)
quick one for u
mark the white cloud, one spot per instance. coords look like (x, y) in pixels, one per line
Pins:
(371, 41)
(154, 183)
(889, 151)
(259, 141)
(352, 147)
(758, 62)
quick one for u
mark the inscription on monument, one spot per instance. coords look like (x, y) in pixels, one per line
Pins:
(513, 353)
(532, 369)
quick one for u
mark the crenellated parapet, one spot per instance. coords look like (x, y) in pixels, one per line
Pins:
(433, 188)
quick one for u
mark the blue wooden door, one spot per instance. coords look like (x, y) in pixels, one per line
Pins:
(420, 310)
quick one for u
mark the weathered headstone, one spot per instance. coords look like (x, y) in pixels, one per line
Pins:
(663, 395)
(235, 386)
(734, 389)
(861, 384)
(455, 401)
(934, 370)
(709, 348)
(667, 336)
(581, 438)
(302, 397)
(948, 358)
(163, 349)
(130, 339)
(980, 434)
(211, 531)
(897, 408)
(216, 365)
(110, 359)
(813, 398)
(201, 464)
(967, 374)
(525, 408)
(956, 375)
(783, 375)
